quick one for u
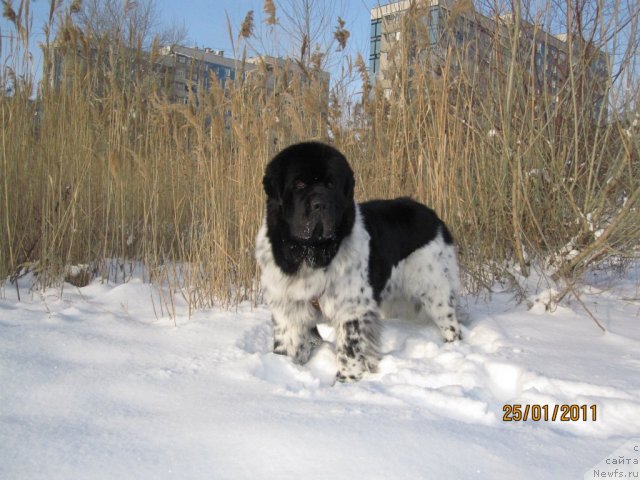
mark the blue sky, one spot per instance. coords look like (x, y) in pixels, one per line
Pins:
(207, 26)
(206, 23)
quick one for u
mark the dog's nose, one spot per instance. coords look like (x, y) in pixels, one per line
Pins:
(318, 205)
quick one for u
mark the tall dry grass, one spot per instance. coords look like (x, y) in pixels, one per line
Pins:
(524, 173)
(103, 170)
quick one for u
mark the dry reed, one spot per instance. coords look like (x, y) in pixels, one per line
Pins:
(103, 170)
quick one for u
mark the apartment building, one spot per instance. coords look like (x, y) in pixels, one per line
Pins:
(187, 68)
(434, 33)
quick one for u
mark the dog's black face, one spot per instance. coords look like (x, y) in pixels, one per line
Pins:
(310, 206)
(311, 199)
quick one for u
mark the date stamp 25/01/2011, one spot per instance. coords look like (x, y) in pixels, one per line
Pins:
(545, 413)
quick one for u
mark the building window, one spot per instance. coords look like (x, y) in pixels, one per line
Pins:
(375, 47)
(433, 34)
(374, 65)
(376, 38)
(376, 27)
(434, 16)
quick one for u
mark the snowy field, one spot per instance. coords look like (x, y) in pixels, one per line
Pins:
(93, 385)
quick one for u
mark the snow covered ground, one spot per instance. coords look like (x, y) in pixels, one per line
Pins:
(93, 385)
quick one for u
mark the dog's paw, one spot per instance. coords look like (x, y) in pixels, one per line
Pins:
(348, 378)
(303, 353)
(451, 333)
(309, 344)
(353, 369)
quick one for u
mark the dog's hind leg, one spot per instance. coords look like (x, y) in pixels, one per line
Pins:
(430, 279)
(439, 305)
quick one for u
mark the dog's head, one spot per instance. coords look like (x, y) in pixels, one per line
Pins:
(309, 189)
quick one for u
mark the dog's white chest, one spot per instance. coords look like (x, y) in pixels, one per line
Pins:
(341, 285)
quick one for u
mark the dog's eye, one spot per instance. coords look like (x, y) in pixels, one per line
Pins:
(299, 185)
(329, 184)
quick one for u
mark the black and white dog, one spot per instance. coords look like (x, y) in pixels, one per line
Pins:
(325, 258)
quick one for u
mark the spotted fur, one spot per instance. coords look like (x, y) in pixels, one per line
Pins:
(427, 279)
(345, 300)
(325, 258)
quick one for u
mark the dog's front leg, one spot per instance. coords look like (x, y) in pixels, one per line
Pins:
(294, 329)
(357, 348)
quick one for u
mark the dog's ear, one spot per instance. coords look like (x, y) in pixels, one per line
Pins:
(349, 184)
(272, 179)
